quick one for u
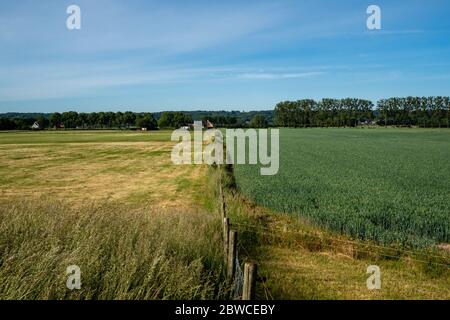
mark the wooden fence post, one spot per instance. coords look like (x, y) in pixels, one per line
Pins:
(226, 237)
(248, 290)
(232, 241)
(222, 202)
(224, 209)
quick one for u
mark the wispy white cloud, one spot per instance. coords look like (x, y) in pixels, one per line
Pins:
(394, 32)
(50, 81)
(277, 76)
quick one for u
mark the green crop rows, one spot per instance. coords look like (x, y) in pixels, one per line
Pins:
(387, 185)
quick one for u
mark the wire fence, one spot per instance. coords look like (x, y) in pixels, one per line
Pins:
(319, 240)
(285, 230)
(243, 281)
(238, 282)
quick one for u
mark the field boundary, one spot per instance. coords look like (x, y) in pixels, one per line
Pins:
(243, 282)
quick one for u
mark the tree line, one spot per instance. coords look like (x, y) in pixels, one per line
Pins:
(101, 120)
(132, 120)
(418, 111)
(96, 120)
(428, 112)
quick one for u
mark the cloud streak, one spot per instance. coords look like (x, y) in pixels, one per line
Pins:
(278, 76)
(71, 80)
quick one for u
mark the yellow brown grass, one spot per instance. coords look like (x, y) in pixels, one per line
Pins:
(123, 253)
(129, 172)
(113, 204)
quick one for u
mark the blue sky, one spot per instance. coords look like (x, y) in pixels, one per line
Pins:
(143, 55)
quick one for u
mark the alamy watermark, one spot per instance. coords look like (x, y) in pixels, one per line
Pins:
(374, 20)
(73, 21)
(374, 280)
(74, 277)
(248, 146)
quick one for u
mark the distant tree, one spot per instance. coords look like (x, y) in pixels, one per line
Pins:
(188, 119)
(166, 120)
(129, 118)
(7, 124)
(174, 119)
(93, 120)
(23, 123)
(110, 119)
(146, 121)
(384, 110)
(70, 119)
(101, 119)
(438, 111)
(83, 119)
(179, 119)
(118, 121)
(424, 108)
(55, 119)
(258, 121)
(447, 110)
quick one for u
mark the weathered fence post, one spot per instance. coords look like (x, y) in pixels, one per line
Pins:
(222, 202)
(224, 209)
(226, 237)
(248, 290)
(231, 265)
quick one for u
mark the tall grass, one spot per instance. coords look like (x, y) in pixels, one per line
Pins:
(123, 253)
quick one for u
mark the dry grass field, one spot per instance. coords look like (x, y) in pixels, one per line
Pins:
(113, 204)
(96, 166)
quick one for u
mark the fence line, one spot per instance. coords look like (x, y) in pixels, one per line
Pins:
(339, 240)
(364, 251)
(243, 282)
(239, 280)
(272, 232)
(355, 290)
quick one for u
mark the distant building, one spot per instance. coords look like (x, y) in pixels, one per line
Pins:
(208, 125)
(36, 126)
(205, 125)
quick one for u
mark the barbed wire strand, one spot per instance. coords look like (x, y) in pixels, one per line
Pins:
(271, 230)
(360, 250)
(365, 251)
(361, 290)
(238, 279)
(338, 240)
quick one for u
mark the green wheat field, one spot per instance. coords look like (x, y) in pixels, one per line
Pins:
(387, 185)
